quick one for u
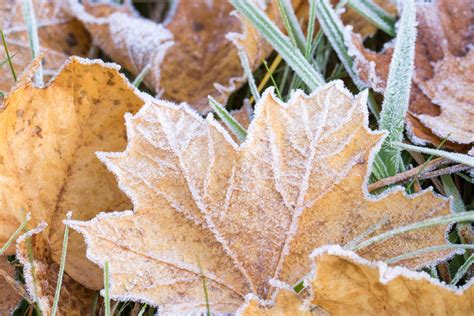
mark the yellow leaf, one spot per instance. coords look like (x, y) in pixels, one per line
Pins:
(345, 284)
(48, 140)
(247, 213)
(60, 36)
(441, 105)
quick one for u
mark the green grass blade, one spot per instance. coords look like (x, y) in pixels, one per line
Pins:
(375, 15)
(61, 269)
(139, 78)
(462, 270)
(106, 289)
(460, 158)
(333, 28)
(442, 220)
(206, 294)
(273, 80)
(228, 119)
(244, 61)
(142, 310)
(32, 27)
(15, 234)
(291, 24)
(8, 60)
(464, 230)
(397, 93)
(310, 31)
(416, 253)
(7, 53)
(291, 54)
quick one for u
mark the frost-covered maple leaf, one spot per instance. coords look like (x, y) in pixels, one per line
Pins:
(241, 215)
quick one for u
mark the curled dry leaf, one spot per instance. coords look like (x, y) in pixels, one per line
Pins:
(9, 298)
(343, 283)
(442, 102)
(60, 36)
(49, 137)
(41, 273)
(243, 214)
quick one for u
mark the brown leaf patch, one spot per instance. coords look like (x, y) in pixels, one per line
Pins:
(441, 102)
(60, 36)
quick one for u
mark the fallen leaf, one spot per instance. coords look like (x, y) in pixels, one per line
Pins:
(346, 284)
(442, 103)
(343, 283)
(41, 274)
(9, 298)
(60, 36)
(49, 137)
(244, 214)
(190, 56)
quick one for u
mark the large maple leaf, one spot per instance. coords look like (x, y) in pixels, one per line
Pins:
(244, 214)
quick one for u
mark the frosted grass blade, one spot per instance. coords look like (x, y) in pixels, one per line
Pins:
(228, 119)
(32, 27)
(397, 93)
(375, 14)
(464, 159)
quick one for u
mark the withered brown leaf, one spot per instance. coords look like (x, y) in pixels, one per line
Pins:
(9, 298)
(49, 137)
(40, 273)
(60, 36)
(442, 103)
(244, 214)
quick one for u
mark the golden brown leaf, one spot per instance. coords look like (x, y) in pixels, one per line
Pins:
(60, 36)
(442, 104)
(248, 213)
(49, 137)
(9, 298)
(345, 284)
(41, 274)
